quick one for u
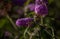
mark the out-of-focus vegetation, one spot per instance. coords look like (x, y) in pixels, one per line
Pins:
(10, 12)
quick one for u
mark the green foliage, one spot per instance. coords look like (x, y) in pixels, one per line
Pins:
(50, 1)
(2, 22)
(51, 20)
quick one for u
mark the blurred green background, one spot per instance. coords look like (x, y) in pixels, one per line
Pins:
(6, 20)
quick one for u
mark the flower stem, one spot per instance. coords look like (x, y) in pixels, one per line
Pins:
(28, 1)
(53, 36)
(11, 21)
(31, 36)
(25, 32)
(42, 25)
(34, 18)
(41, 20)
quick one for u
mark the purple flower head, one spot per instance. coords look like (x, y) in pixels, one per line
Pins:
(38, 2)
(24, 21)
(41, 1)
(18, 2)
(41, 10)
(41, 7)
(31, 7)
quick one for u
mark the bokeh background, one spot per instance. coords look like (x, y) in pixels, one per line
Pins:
(11, 10)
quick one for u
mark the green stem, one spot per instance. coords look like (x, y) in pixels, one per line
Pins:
(31, 36)
(41, 20)
(48, 32)
(25, 32)
(53, 36)
(42, 25)
(11, 21)
(34, 18)
(28, 1)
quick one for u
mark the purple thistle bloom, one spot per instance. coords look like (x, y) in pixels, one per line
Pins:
(24, 21)
(18, 2)
(41, 10)
(41, 1)
(31, 7)
(38, 2)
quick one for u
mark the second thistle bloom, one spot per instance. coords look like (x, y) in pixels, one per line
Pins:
(24, 21)
(31, 7)
(41, 8)
(41, 1)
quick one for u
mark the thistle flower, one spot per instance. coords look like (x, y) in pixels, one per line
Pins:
(31, 7)
(40, 8)
(24, 21)
(41, 1)
(38, 2)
